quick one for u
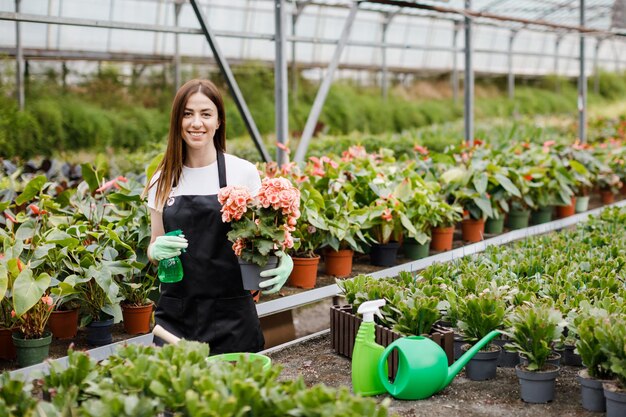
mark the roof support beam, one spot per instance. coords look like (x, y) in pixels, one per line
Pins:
(19, 61)
(281, 103)
(311, 121)
(582, 82)
(477, 14)
(468, 85)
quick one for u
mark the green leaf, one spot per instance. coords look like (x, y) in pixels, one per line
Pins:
(26, 230)
(152, 166)
(4, 280)
(484, 205)
(33, 188)
(62, 238)
(480, 182)
(90, 176)
(506, 183)
(27, 290)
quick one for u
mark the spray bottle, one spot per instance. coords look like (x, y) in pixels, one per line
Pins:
(367, 352)
(171, 269)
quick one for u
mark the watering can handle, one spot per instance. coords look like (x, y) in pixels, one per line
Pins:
(165, 335)
(383, 373)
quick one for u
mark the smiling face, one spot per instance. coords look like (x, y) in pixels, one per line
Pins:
(200, 121)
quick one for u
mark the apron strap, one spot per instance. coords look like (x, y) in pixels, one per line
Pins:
(221, 168)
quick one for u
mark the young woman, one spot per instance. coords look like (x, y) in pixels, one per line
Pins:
(209, 304)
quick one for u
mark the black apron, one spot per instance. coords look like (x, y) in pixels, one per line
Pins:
(209, 304)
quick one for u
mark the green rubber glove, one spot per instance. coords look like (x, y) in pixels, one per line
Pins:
(280, 274)
(165, 247)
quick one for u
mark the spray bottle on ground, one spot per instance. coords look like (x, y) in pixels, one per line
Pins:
(367, 352)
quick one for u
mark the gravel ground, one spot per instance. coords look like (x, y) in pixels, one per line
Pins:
(315, 362)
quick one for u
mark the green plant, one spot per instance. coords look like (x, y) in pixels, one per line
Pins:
(479, 314)
(416, 313)
(532, 329)
(612, 339)
(587, 326)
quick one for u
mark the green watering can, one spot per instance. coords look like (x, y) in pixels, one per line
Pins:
(423, 366)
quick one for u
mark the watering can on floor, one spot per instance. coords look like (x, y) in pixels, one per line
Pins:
(423, 366)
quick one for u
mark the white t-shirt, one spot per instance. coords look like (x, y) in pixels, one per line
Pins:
(205, 180)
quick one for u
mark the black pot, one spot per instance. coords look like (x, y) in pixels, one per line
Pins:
(99, 332)
(384, 255)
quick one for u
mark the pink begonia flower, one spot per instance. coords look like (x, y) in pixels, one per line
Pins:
(387, 215)
(549, 143)
(46, 299)
(420, 149)
(112, 183)
(283, 147)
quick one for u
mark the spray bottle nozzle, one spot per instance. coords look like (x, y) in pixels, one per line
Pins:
(369, 308)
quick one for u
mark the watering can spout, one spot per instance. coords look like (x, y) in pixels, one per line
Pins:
(456, 367)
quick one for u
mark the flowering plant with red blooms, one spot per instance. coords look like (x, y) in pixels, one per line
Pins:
(263, 224)
(32, 324)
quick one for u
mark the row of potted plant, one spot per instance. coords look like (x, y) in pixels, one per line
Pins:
(546, 294)
(370, 202)
(73, 252)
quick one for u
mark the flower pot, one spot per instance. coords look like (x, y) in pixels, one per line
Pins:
(541, 215)
(99, 332)
(31, 351)
(494, 226)
(251, 272)
(570, 358)
(7, 348)
(483, 365)
(592, 392)
(63, 323)
(518, 219)
(137, 318)
(338, 262)
(537, 387)
(566, 211)
(414, 250)
(459, 342)
(607, 196)
(615, 400)
(442, 238)
(506, 359)
(304, 273)
(384, 255)
(582, 203)
(473, 230)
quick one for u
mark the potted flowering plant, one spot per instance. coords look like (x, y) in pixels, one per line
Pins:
(261, 225)
(307, 239)
(441, 219)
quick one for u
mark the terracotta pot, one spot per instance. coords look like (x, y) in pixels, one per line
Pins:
(7, 348)
(339, 263)
(607, 196)
(473, 230)
(137, 318)
(442, 238)
(566, 211)
(256, 295)
(64, 323)
(623, 189)
(304, 273)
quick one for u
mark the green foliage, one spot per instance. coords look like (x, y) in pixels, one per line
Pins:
(533, 329)
(612, 338)
(587, 326)
(145, 381)
(15, 400)
(479, 314)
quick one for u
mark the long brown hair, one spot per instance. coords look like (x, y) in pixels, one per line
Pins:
(171, 166)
